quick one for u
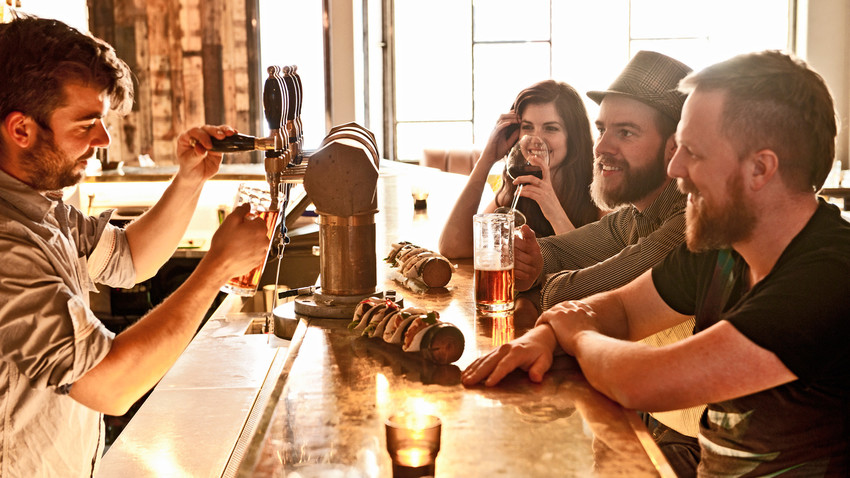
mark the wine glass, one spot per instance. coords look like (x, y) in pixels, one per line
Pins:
(517, 164)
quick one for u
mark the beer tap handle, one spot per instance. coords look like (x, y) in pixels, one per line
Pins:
(273, 99)
(299, 95)
(274, 102)
(291, 134)
(242, 142)
(299, 90)
(289, 86)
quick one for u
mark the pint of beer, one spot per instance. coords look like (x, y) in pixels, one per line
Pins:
(260, 200)
(493, 260)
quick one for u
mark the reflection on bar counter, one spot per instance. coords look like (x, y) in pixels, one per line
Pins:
(322, 396)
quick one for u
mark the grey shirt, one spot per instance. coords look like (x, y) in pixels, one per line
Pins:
(51, 254)
(613, 251)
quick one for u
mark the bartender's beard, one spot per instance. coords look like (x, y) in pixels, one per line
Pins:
(636, 183)
(721, 226)
(48, 168)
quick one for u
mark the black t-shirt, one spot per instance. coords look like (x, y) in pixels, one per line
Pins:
(801, 313)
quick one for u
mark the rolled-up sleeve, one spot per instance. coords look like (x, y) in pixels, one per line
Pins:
(111, 262)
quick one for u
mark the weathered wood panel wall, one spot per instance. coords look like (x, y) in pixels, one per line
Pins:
(195, 62)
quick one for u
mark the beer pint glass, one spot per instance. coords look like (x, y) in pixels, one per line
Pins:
(493, 260)
(246, 285)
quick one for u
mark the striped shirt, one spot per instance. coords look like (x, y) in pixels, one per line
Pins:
(613, 251)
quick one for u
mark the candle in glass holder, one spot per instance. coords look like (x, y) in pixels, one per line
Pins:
(420, 196)
(413, 441)
(414, 456)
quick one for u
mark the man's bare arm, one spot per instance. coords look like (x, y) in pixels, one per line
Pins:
(715, 365)
(143, 353)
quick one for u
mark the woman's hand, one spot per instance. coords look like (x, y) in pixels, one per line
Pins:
(502, 138)
(543, 193)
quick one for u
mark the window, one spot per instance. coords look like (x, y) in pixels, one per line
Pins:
(458, 64)
(291, 34)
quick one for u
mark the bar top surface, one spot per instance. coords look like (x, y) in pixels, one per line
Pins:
(326, 417)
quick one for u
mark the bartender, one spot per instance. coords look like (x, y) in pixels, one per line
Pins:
(62, 367)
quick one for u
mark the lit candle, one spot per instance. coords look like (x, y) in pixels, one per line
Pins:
(414, 456)
(413, 441)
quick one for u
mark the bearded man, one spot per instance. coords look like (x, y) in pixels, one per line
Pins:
(636, 127)
(60, 368)
(766, 272)
(636, 124)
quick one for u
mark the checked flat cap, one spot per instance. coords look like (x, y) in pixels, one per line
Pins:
(651, 78)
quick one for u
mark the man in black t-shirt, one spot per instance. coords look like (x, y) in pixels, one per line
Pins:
(766, 273)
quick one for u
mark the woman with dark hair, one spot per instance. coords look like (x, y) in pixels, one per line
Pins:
(557, 203)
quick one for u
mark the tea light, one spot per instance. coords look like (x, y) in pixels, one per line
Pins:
(413, 441)
(420, 196)
(414, 456)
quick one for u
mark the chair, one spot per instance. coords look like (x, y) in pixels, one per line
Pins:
(458, 161)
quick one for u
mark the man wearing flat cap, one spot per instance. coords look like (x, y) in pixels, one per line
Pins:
(637, 118)
(636, 124)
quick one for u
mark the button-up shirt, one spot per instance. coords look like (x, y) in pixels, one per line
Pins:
(49, 337)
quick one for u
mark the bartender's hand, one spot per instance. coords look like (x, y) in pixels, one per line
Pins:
(532, 352)
(239, 244)
(196, 162)
(528, 260)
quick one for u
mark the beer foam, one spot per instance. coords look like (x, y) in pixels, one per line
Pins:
(488, 260)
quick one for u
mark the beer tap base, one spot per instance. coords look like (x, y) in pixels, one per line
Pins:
(328, 306)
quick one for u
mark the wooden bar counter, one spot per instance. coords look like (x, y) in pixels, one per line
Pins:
(321, 408)
(326, 417)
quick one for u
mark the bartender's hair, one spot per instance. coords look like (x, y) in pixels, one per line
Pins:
(774, 101)
(571, 178)
(39, 56)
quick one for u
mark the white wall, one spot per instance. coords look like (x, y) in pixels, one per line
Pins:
(342, 44)
(823, 40)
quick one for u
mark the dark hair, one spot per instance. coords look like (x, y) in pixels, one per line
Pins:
(571, 177)
(39, 56)
(776, 102)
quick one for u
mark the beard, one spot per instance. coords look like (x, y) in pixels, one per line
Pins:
(47, 167)
(709, 228)
(636, 183)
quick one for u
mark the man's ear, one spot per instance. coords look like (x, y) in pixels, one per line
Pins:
(670, 148)
(19, 129)
(764, 166)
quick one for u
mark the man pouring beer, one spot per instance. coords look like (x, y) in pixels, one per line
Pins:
(61, 368)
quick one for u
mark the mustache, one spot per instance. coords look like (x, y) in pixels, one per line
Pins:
(686, 186)
(605, 160)
(87, 155)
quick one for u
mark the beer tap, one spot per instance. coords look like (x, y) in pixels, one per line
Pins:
(275, 102)
(277, 153)
(290, 90)
(299, 97)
